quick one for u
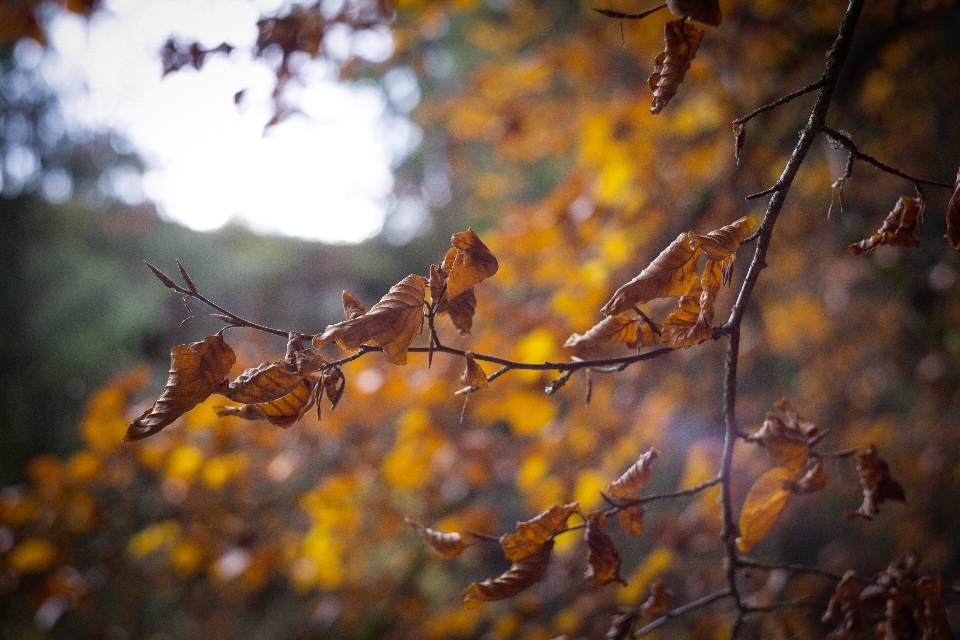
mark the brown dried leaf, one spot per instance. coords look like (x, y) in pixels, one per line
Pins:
(392, 323)
(722, 243)
(533, 533)
(815, 479)
(788, 441)
(672, 273)
(844, 608)
(661, 599)
(878, 485)
(621, 626)
(762, 506)
(631, 519)
(269, 381)
(473, 374)
(739, 138)
(682, 41)
(634, 479)
(333, 385)
(196, 371)
(603, 559)
(352, 307)
(450, 545)
(898, 227)
(619, 328)
(282, 412)
(523, 574)
(468, 263)
(705, 11)
(460, 310)
(953, 216)
(692, 322)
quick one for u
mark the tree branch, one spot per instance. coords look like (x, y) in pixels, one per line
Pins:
(859, 155)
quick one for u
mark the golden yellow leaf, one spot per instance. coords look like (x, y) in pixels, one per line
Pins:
(196, 371)
(762, 506)
(468, 263)
(603, 560)
(682, 41)
(533, 533)
(898, 227)
(282, 412)
(523, 574)
(635, 478)
(392, 323)
(672, 273)
(450, 545)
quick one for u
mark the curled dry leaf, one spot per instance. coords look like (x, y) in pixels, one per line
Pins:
(392, 323)
(844, 609)
(468, 263)
(603, 559)
(878, 485)
(473, 374)
(672, 273)
(450, 545)
(636, 478)
(682, 41)
(898, 228)
(762, 506)
(723, 242)
(196, 371)
(532, 534)
(692, 322)
(273, 380)
(333, 384)
(618, 328)
(524, 573)
(815, 479)
(461, 310)
(282, 412)
(788, 440)
(953, 216)
(661, 599)
(705, 11)
(352, 307)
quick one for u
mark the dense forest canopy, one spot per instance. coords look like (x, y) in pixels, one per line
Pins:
(757, 436)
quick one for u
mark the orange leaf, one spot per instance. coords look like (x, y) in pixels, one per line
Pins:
(762, 506)
(468, 263)
(705, 11)
(352, 307)
(619, 328)
(273, 380)
(282, 412)
(635, 478)
(878, 485)
(460, 310)
(953, 216)
(450, 545)
(661, 598)
(723, 242)
(631, 519)
(815, 479)
(603, 560)
(196, 371)
(788, 442)
(898, 227)
(672, 273)
(533, 533)
(682, 41)
(692, 322)
(524, 573)
(473, 374)
(392, 323)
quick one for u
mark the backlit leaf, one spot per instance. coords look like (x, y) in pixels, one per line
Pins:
(723, 242)
(661, 599)
(392, 323)
(705, 11)
(273, 380)
(878, 485)
(524, 573)
(468, 263)
(672, 273)
(473, 374)
(692, 322)
(898, 228)
(953, 216)
(460, 310)
(450, 545)
(603, 560)
(636, 477)
(788, 441)
(762, 506)
(282, 412)
(352, 307)
(532, 534)
(196, 371)
(619, 328)
(682, 41)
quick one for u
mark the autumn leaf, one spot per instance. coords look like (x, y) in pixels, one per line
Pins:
(705, 11)
(692, 322)
(333, 384)
(787, 440)
(762, 506)
(672, 273)
(273, 380)
(473, 374)
(661, 598)
(723, 242)
(682, 41)
(898, 228)
(196, 371)
(844, 608)
(450, 545)
(953, 216)
(392, 323)
(603, 559)
(878, 485)
(468, 263)
(815, 479)
(631, 519)
(636, 478)
(619, 328)
(523, 574)
(282, 412)
(533, 533)
(460, 310)
(352, 307)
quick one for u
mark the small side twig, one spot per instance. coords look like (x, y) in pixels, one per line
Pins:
(780, 101)
(679, 611)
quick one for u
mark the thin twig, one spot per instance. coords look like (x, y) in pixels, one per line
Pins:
(679, 611)
(852, 148)
(792, 568)
(776, 103)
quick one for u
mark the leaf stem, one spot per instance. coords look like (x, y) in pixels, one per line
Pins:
(776, 103)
